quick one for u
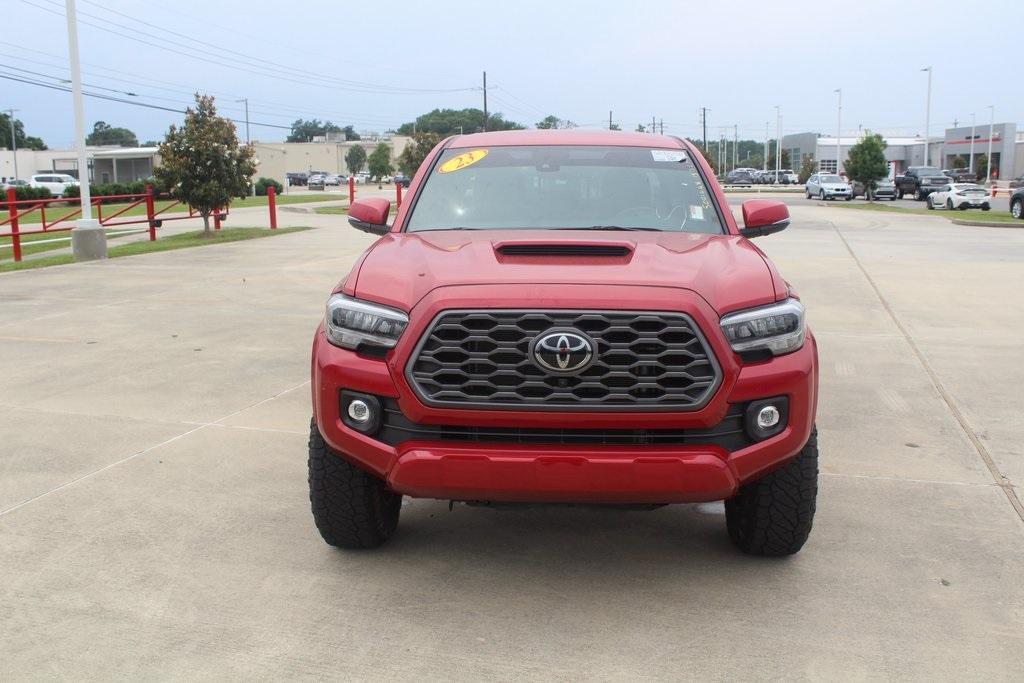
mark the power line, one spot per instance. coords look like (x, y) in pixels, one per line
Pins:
(245, 65)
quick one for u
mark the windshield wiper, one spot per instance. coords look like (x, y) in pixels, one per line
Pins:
(609, 227)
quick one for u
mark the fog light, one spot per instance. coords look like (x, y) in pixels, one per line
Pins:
(767, 417)
(360, 412)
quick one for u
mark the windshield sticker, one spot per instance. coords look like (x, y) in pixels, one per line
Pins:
(668, 155)
(696, 212)
(462, 161)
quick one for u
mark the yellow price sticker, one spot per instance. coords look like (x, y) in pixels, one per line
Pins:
(462, 161)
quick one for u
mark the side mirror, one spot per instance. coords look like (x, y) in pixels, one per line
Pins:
(763, 217)
(370, 215)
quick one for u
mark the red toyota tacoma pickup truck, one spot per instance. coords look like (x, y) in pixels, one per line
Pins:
(565, 317)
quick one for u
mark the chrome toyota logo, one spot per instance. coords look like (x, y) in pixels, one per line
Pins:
(563, 351)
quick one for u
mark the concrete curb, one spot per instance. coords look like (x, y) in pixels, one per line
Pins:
(988, 224)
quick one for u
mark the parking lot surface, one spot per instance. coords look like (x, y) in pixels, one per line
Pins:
(154, 517)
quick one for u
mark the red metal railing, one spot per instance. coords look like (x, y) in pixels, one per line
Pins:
(18, 209)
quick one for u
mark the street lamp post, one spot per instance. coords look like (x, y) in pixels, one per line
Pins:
(970, 166)
(14, 141)
(88, 240)
(767, 136)
(991, 129)
(778, 142)
(246, 100)
(839, 126)
(927, 114)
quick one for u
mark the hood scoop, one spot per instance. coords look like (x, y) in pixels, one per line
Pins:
(534, 249)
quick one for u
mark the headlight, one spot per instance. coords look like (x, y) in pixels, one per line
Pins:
(778, 328)
(351, 322)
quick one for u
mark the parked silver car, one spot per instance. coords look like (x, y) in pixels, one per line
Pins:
(828, 186)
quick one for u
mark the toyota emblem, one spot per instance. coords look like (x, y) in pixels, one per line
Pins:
(563, 351)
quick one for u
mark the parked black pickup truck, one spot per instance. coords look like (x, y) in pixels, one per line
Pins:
(920, 181)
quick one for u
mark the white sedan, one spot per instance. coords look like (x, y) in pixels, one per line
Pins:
(961, 196)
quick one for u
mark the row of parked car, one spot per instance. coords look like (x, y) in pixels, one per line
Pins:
(323, 179)
(752, 176)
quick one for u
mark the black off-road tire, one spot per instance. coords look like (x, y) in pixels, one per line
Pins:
(773, 515)
(351, 507)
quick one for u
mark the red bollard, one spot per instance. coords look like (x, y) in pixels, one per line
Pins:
(398, 195)
(12, 212)
(272, 203)
(351, 189)
(151, 213)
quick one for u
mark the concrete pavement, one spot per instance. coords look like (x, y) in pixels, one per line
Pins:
(154, 517)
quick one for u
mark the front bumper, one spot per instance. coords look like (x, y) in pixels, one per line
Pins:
(566, 472)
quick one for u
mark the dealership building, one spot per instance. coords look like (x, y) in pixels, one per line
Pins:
(901, 152)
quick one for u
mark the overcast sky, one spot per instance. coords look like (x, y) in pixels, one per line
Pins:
(377, 65)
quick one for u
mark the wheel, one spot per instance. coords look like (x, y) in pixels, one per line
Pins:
(985, 207)
(1017, 208)
(892, 198)
(919, 196)
(773, 515)
(849, 198)
(899, 194)
(821, 195)
(949, 205)
(351, 507)
(931, 206)
(808, 195)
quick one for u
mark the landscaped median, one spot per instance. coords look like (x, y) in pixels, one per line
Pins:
(977, 218)
(181, 241)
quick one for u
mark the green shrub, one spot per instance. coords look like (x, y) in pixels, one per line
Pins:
(26, 192)
(263, 183)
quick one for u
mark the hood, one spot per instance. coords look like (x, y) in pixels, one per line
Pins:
(835, 186)
(726, 270)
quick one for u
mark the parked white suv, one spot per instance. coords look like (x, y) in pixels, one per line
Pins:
(56, 183)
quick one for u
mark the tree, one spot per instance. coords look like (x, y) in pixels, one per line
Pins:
(959, 162)
(24, 141)
(614, 126)
(808, 167)
(866, 163)
(771, 159)
(380, 162)
(445, 122)
(355, 158)
(708, 157)
(202, 163)
(416, 151)
(304, 131)
(981, 166)
(641, 128)
(104, 134)
(551, 122)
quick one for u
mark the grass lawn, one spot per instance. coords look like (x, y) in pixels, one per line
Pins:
(970, 215)
(331, 210)
(53, 212)
(181, 241)
(34, 244)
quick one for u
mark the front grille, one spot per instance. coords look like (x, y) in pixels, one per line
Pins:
(728, 434)
(642, 361)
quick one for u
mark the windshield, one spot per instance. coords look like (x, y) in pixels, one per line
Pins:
(831, 179)
(926, 170)
(565, 187)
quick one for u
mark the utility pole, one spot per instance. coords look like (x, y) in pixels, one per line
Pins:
(14, 141)
(609, 119)
(654, 128)
(767, 135)
(704, 123)
(927, 115)
(839, 128)
(991, 129)
(661, 126)
(485, 101)
(246, 100)
(88, 239)
(970, 163)
(735, 144)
